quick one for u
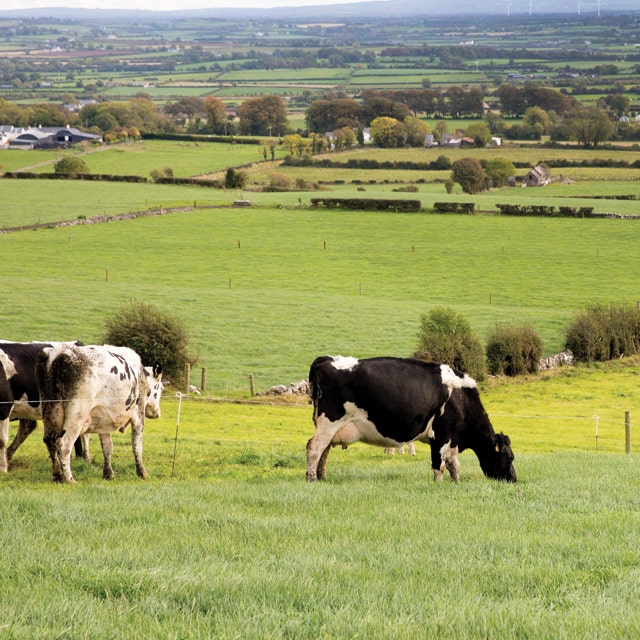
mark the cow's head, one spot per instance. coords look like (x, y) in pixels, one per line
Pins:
(500, 466)
(154, 390)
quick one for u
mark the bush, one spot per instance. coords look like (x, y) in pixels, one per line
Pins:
(513, 351)
(603, 333)
(71, 164)
(234, 179)
(156, 336)
(445, 336)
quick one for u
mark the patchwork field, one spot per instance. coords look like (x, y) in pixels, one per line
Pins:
(226, 539)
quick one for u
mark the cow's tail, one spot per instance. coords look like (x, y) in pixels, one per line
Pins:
(315, 391)
(58, 373)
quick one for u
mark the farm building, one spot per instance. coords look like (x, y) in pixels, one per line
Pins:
(45, 137)
(538, 176)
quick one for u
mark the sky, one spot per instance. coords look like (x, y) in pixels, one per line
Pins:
(160, 5)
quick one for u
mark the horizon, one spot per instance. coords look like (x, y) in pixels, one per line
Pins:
(433, 7)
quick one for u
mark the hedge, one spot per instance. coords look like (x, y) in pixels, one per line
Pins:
(454, 207)
(105, 177)
(368, 204)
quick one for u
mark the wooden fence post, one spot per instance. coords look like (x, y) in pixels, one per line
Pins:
(627, 431)
(203, 383)
(188, 374)
(251, 385)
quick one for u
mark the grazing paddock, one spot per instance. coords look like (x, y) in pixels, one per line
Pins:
(254, 551)
(269, 284)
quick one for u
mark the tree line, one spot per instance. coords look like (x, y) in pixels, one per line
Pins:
(395, 118)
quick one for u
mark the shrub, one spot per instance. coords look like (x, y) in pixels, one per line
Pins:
(156, 336)
(470, 175)
(513, 351)
(446, 336)
(279, 180)
(603, 333)
(71, 164)
(235, 179)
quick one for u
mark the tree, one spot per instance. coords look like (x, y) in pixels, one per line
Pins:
(294, 143)
(446, 336)
(216, 115)
(416, 131)
(618, 103)
(387, 132)
(537, 118)
(155, 335)
(264, 116)
(344, 138)
(470, 175)
(591, 126)
(377, 105)
(71, 165)
(328, 115)
(499, 170)
(186, 110)
(480, 133)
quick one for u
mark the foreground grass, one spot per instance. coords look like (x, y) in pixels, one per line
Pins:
(378, 551)
(226, 539)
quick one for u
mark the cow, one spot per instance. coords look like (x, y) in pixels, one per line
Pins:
(390, 402)
(19, 397)
(95, 389)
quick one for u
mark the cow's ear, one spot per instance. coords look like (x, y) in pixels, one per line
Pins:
(157, 369)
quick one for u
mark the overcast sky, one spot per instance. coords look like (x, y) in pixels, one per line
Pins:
(160, 5)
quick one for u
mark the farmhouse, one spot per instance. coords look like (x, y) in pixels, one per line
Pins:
(538, 176)
(44, 137)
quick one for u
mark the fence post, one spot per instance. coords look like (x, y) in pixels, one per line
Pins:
(203, 382)
(188, 374)
(627, 431)
(251, 386)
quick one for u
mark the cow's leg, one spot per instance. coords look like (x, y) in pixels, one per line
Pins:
(137, 428)
(452, 463)
(65, 445)
(51, 441)
(437, 463)
(81, 447)
(25, 429)
(4, 440)
(322, 464)
(107, 453)
(317, 446)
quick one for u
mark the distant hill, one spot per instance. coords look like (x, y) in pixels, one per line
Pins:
(354, 10)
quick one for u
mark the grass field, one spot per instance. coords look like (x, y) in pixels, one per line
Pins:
(265, 290)
(230, 541)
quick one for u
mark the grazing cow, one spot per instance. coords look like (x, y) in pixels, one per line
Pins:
(19, 397)
(95, 389)
(390, 402)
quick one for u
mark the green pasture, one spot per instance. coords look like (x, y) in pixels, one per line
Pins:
(287, 75)
(186, 159)
(264, 290)
(226, 539)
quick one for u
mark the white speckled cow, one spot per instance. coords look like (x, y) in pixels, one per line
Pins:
(95, 389)
(390, 402)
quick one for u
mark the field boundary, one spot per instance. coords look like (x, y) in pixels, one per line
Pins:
(112, 218)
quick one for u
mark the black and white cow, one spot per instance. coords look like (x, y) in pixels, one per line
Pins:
(390, 402)
(19, 397)
(95, 389)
